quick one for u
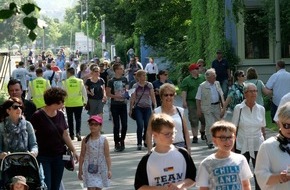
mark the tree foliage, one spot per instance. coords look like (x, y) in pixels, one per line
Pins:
(11, 16)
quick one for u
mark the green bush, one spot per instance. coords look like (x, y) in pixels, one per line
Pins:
(3, 97)
(178, 72)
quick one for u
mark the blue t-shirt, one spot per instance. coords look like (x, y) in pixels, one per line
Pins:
(221, 68)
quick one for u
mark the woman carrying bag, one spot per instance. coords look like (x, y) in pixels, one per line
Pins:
(144, 96)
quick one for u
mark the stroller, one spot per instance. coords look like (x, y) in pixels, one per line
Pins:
(21, 163)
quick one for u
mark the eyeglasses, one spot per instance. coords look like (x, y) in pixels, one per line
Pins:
(94, 124)
(286, 125)
(252, 91)
(166, 95)
(165, 74)
(15, 107)
(224, 139)
(170, 134)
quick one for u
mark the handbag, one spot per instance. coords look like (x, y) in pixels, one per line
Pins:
(68, 158)
(133, 112)
(234, 149)
(182, 128)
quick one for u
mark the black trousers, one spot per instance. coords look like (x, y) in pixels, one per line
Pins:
(74, 112)
(248, 157)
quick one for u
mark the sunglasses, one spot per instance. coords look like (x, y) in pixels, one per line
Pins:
(15, 107)
(242, 75)
(166, 95)
(224, 139)
(286, 125)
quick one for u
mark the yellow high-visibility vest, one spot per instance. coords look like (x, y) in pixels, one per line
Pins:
(73, 87)
(38, 86)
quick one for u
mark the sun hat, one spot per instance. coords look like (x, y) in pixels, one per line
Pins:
(19, 179)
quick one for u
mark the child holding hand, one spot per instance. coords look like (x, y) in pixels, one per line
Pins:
(95, 160)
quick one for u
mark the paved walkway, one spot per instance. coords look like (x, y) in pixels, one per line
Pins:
(124, 164)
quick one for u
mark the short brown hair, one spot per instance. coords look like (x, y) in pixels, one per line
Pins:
(116, 66)
(161, 120)
(252, 73)
(54, 95)
(222, 125)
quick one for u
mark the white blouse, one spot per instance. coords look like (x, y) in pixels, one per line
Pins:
(249, 136)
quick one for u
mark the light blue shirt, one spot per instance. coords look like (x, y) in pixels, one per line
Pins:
(278, 82)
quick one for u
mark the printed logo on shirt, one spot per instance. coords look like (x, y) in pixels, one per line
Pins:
(227, 178)
(166, 179)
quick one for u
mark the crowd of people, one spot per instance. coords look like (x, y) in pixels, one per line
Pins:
(230, 113)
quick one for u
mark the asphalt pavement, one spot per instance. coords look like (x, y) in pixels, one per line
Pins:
(124, 163)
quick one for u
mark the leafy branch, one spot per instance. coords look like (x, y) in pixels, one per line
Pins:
(29, 21)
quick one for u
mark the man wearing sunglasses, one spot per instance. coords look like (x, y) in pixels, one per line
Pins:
(189, 88)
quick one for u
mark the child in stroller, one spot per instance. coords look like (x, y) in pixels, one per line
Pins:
(18, 183)
(24, 164)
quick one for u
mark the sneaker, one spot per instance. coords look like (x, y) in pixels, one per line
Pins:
(194, 140)
(202, 134)
(210, 146)
(139, 147)
(122, 147)
(117, 148)
(79, 138)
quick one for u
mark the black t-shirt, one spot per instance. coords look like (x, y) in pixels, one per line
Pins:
(49, 138)
(118, 86)
(97, 88)
(104, 76)
(221, 68)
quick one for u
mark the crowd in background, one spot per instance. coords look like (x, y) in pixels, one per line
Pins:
(210, 95)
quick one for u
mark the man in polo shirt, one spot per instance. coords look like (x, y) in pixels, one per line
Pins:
(209, 101)
(189, 88)
(223, 73)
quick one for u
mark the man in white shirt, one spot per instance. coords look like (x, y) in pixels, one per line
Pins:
(151, 70)
(209, 101)
(277, 83)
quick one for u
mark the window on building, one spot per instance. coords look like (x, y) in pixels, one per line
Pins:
(285, 35)
(256, 35)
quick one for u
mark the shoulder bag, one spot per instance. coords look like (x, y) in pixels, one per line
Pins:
(182, 127)
(237, 129)
(68, 156)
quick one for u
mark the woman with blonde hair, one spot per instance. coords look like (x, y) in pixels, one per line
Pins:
(142, 100)
(167, 93)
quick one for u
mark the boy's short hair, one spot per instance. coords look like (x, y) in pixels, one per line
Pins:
(161, 120)
(222, 125)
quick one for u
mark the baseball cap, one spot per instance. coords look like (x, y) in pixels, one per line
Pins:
(193, 66)
(96, 118)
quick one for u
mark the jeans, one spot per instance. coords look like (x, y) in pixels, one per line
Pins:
(142, 119)
(225, 87)
(53, 167)
(77, 112)
(119, 112)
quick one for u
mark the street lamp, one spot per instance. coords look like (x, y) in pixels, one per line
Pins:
(87, 23)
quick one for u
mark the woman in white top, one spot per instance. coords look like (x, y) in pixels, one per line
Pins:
(167, 93)
(273, 158)
(250, 119)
